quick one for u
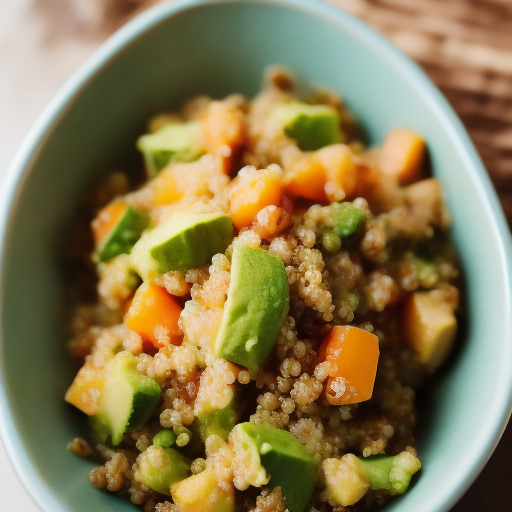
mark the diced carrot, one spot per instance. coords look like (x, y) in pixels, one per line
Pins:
(328, 174)
(191, 179)
(154, 315)
(352, 354)
(251, 193)
(85, 390)
(306, 178)
(105, 220)
(224, 132)
(166, 188)
(403, 155)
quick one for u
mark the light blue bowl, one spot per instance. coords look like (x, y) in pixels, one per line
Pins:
(170, 53)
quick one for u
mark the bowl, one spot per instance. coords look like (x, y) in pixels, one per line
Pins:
(172, 52)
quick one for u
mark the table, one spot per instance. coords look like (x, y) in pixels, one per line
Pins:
(464, 45)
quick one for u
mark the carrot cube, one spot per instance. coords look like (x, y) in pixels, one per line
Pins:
(154, 315)
(352, 354)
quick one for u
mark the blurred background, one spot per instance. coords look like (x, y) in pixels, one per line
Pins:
(465, 46)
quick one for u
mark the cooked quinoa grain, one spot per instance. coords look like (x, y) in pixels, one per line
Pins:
(267, 304)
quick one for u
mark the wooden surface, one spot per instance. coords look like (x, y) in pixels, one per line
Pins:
(464, 45)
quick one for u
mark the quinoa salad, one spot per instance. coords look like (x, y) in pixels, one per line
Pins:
(252, 319)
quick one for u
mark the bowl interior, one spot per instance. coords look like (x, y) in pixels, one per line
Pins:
(220, 48)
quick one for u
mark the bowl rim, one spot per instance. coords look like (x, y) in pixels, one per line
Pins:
(42, 494)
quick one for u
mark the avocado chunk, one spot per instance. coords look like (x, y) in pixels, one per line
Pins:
(312, 126)
(174, 142)
(348, 479)
(284, 459)
(348, 219)
(123, 235)
(196, 493)
(214, 404)
(257, 304)
(164, 438)
(159, 468)
(218, 422)
(127, 400)
(391, 473)
(184, 241)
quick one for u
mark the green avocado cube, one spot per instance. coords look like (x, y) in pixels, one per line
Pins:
(175, 142)
(312, 126)
(285, 460)
(183, 241)
(123, 236)
(348, 219)
(257, 304)
(217, 422)
(127, 399)
(159, 468)
(392, 473)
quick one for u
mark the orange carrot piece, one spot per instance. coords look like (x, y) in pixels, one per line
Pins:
(328, 174)
(166, 187)
(154, 315)
(251, 193)
(85, 390)
(224, 133)
(353, 355)
(403, 155)
(105, 221)
(306, 178)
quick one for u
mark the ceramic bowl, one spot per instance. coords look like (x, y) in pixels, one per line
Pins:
(172, 52)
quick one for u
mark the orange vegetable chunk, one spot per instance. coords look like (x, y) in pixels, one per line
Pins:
(353, 355)
(105, 221)
(154, 315)
(326, 174)
(85, 390)
(224, 132)
(402, 155)
(251, 193)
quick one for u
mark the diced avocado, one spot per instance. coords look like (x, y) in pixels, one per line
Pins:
(284, 459)
(123, 235)
(127, 400)
(430, 326)
(164, 438)
(159, 468)
(347, 219)
(213, 407)
(347, 479)
(217, 422)
(175, 142)
(196, 494)
(391, 473)
(312, 126)
(257, 304)
(183, 241)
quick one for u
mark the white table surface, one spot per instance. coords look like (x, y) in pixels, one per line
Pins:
(34, 63)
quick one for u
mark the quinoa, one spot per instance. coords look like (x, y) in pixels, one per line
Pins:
(360, 255)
